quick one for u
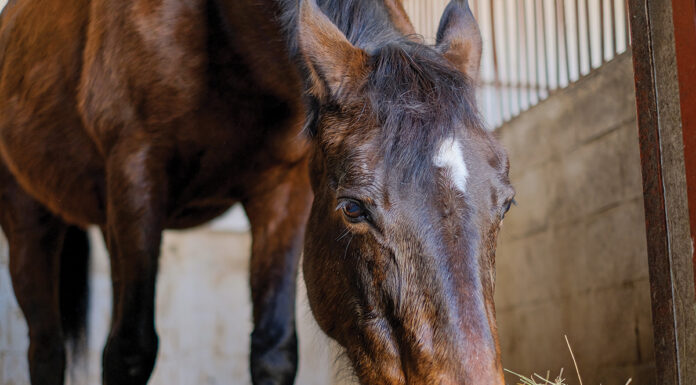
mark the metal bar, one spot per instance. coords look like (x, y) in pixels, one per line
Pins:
(528, 48)
(577, 37)
(524, 62)
(614, 42)
(521, 51)
(544, 48)
(537, 67)
(564, 33)
(428, 17)
(567, 41)
(513, 49)
(496, 68)
(662, 160)
(627, 23)
(431, 17)
(507, 67)
(557, 44)
(601, 32)
(588, 36)
(421, 18)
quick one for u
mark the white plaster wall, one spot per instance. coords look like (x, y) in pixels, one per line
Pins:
(203, 315)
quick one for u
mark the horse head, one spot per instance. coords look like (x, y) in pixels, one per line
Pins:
(410, 191)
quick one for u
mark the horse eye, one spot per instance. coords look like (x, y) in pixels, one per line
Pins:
(353, 211)
(508, 206)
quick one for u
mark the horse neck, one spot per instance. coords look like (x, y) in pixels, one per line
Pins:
(366, 23)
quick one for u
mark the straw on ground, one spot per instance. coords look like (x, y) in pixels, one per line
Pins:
(536, 379)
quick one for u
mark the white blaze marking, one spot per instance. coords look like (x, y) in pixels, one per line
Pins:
(449, 156)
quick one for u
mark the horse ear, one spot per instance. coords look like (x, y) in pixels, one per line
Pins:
(459, 38)
(334, 63)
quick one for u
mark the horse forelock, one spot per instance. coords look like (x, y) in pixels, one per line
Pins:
(420, 100)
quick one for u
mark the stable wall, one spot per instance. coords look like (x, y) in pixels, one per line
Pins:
(203, 314)
(572, 255)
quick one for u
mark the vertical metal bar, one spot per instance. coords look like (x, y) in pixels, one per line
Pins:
(429, 16)
(562, 37)
(588, 35)
(428, 9)
(528, 48)
(433, 17)
(601, 32)
(627, 23)
(424, 18)
(614, 42)
(545, 48)
(566, 41)
(496, 67)
(557, 45)
(415, 8)
(577, 37)
(537, 67)
(506, 65)
(521, 52)
(512, 49)
(421, 17)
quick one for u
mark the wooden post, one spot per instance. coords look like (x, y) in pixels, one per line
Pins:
(684, 15)
(670, 249)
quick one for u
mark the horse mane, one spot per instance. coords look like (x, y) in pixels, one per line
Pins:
(366, 23)
(418, 96)
(420, 99)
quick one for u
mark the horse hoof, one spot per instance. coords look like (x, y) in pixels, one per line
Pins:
(130, 365)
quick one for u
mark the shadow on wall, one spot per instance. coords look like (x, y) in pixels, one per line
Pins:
(203, 315)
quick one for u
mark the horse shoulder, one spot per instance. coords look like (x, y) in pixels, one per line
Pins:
(144, 66)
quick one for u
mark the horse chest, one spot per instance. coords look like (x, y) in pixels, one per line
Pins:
(230, 158)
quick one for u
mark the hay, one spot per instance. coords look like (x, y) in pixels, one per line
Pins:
(536, 379)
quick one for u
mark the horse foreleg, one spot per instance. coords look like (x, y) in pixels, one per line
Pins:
(136, 193)
(277, 222)
(35, 237)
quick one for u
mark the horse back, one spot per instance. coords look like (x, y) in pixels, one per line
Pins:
(161, 61)
(210, 83)
(42, 140)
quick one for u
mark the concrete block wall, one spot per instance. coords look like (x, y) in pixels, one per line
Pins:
(572, 255)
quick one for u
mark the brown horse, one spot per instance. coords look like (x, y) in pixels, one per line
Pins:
(143, 115)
